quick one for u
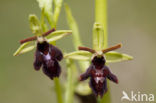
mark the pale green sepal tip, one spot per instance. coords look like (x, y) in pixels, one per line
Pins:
(112, 57)
(24, 48)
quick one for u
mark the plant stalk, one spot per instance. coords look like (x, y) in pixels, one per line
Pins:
(101, 17)
(58, 90)
(69, 96)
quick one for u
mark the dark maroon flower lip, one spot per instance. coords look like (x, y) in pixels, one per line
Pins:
(48, 56)
(98, 73)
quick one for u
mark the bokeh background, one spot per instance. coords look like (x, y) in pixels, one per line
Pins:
(131, 22)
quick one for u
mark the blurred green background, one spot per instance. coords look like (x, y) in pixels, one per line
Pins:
(131, 22)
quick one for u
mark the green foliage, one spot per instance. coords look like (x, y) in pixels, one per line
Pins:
(98, 37)
(71, 81)
(74, 27)
(50, 10)
(35, 25)
(26, 47)
(54, 36)
(111, 57)
(46, 7)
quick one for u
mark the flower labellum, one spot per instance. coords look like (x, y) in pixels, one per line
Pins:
(48, 56)
(98, 73)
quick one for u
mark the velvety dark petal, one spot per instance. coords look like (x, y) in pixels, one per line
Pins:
(98, 88)
(38, 60)
(111, 76)
(56, 53)
(85, 75)
(52, 69)
(92, 86)
(104, 90)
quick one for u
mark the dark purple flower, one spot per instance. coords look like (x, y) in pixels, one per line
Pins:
(48, 56)
(98, 72)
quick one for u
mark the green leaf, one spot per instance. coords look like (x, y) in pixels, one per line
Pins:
(43, 24)
(35, 25)
(112, 57)
(79, 55)
(26, 47)
(73, 26)
(71, 81)
(76, 36)
(57, 9)
(98, 39)
(46, 5)
(58, 35)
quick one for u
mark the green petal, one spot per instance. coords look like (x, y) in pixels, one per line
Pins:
(112, 57)
(79, 55)
(26, 47)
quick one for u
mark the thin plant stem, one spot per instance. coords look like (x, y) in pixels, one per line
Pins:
(101, 17)
(69, 94)
(58, 90)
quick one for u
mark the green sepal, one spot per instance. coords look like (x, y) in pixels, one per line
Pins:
(113, 56)
(26, 47)
(79, 55)
(58, 35)
(35, 25)
(98, 37)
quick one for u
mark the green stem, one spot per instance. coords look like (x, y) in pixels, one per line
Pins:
(101, 17)
(70, 81)
(99, 99)
(58, 90)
